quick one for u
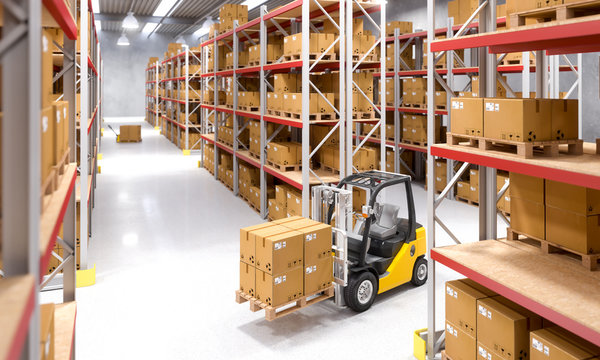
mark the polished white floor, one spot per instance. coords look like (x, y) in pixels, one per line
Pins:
(166, 243)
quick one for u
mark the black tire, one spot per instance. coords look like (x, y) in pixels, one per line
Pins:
(361, 291)
(419, 276)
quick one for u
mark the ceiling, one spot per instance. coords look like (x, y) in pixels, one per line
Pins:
(189, 10)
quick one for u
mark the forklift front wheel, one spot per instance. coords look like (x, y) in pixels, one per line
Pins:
(419, 276)
(361, 291)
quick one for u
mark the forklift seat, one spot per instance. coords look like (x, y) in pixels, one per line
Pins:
(387, 223)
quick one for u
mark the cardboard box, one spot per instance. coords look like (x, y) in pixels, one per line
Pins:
(276, 210)
(279, 289)
(550, 344)
(463, 189)
(47, 334)
(565, 122)
(317, 239)
(485, 353)
(504, 327)
(294, 203)
(247, 279)
(284, 153)
(573, 231)
(48, 124)
(279, 253)
(405, 27)
(47, 67)
(130, 133)
(578, 199)
(518, 119)
(467, 116)
(459, 344)
(528, 217)
(527, 187)
(248, 243)
(461, 304)
(274, 101)
(318, 275)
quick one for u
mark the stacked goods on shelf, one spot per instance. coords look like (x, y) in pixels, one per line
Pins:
(283, 135)
(556, 214)
(228, 13)
(287, 202)
(503, 204)
(407, 156)
(414, 92)
(286, 99)
(461, 10)
(328, 155)
(414, 129)
(284, 261)
(481, 324)
(362, 106)
(225, 169)
(209, 158)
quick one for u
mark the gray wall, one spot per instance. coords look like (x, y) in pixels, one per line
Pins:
(124, 70)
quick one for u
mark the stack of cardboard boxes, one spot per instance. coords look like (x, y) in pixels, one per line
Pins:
(287, 202)
(226, 169)
(287, 95)
(481, 325)
(284, 260)
(228, 13)
(414, 92)
(284, 153)
(522, 120)
(414, 129)
(562, 214)
(360, 103)
(407, 156)
(254, 135)
(209, 157)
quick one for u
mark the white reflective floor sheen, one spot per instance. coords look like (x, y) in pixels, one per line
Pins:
(166, 246)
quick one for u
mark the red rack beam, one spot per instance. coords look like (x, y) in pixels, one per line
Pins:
(61, 13)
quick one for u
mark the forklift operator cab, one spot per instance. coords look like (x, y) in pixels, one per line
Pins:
(384, 250)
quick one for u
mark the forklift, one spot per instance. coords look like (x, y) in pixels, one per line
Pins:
(374, 250)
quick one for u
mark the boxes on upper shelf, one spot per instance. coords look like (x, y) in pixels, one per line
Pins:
(527, 205)
(517, 119)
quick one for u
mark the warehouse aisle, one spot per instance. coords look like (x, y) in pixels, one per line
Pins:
(166, 246)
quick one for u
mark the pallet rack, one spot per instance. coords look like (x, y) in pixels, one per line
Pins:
(152, 95)
(506, 268)
(179, 64)
(30, 230)
(275, 21)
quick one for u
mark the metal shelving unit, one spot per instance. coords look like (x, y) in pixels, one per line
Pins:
(258, 29)
(28, 233)
(152, 96)
(475, 260)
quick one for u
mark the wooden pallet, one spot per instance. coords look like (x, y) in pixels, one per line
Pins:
(311, 117)
(576, 10)
(252, 206)
(370, 57)
(253, 155)
(523, 149)
(512, 62)
(276, 312)
(589, 261)
(274, 112)
(410, 142)
(62, 162)
(444, 356)
(466, 201)
(440, 107)
(363, 115)
(330, 169)
(415, 106)
(284, 168)
(315, 56)
(226, 185)
(248, 108)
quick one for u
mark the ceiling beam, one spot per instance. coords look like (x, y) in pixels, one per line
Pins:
(146, 19)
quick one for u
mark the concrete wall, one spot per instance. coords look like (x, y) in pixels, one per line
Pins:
(124, 66)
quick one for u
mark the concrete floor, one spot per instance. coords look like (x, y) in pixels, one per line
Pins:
(166, 246)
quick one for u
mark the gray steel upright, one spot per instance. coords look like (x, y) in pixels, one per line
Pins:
(305, 109)
(236, 120)
(350, 90)
(263, 123)
(217, 114)
(431, 295)
(83, 136)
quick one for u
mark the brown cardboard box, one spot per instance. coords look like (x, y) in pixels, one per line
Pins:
(485, 353)
(461, 304)
(316, 238)
(130, 133)
(47, 68)
(286, 83)
(284, 153)
(287, 219)
(467, 116)
(527, 187)
(500, 90)
(518, 119)
(504, 327)
(548, 344)
(565, 122)
(359, 198)
(247, 241)
(281, 193)
(528, 217)
(573, 198)
(294, 203)
(247, 279)
(47, 123)
(276, 209)
(279, 253)
(571, 230)
(463, 190)
(453, 11)
(279, 289)
(459, 344)
(318, 275)
(47, 335)
(405, 27)
(274, 101)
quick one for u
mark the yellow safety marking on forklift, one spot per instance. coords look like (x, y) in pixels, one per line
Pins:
(86, 277)
(157, 128)
(99, 169)
(186, 152)
(419, 344)
(99, 156)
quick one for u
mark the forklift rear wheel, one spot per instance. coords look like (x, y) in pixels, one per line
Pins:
(361, 291)
(419, 276)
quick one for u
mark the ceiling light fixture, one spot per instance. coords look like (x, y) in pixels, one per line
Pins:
(208, 23)
(130, 22)
(180, 40)
(123, 40)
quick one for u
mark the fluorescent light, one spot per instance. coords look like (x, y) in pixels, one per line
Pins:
(98, 24)
(252, 3)
(208, 23)
(123, 41)
(130, 22)
(201, 32)
(96, 6)
(149, 27)
(163, 8)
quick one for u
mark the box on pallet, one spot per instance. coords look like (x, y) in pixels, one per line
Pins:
(554, 343)
(47, 332)
(284, 153)
(528, 211)
(517, 119)
(279, 289)
(467, 116)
